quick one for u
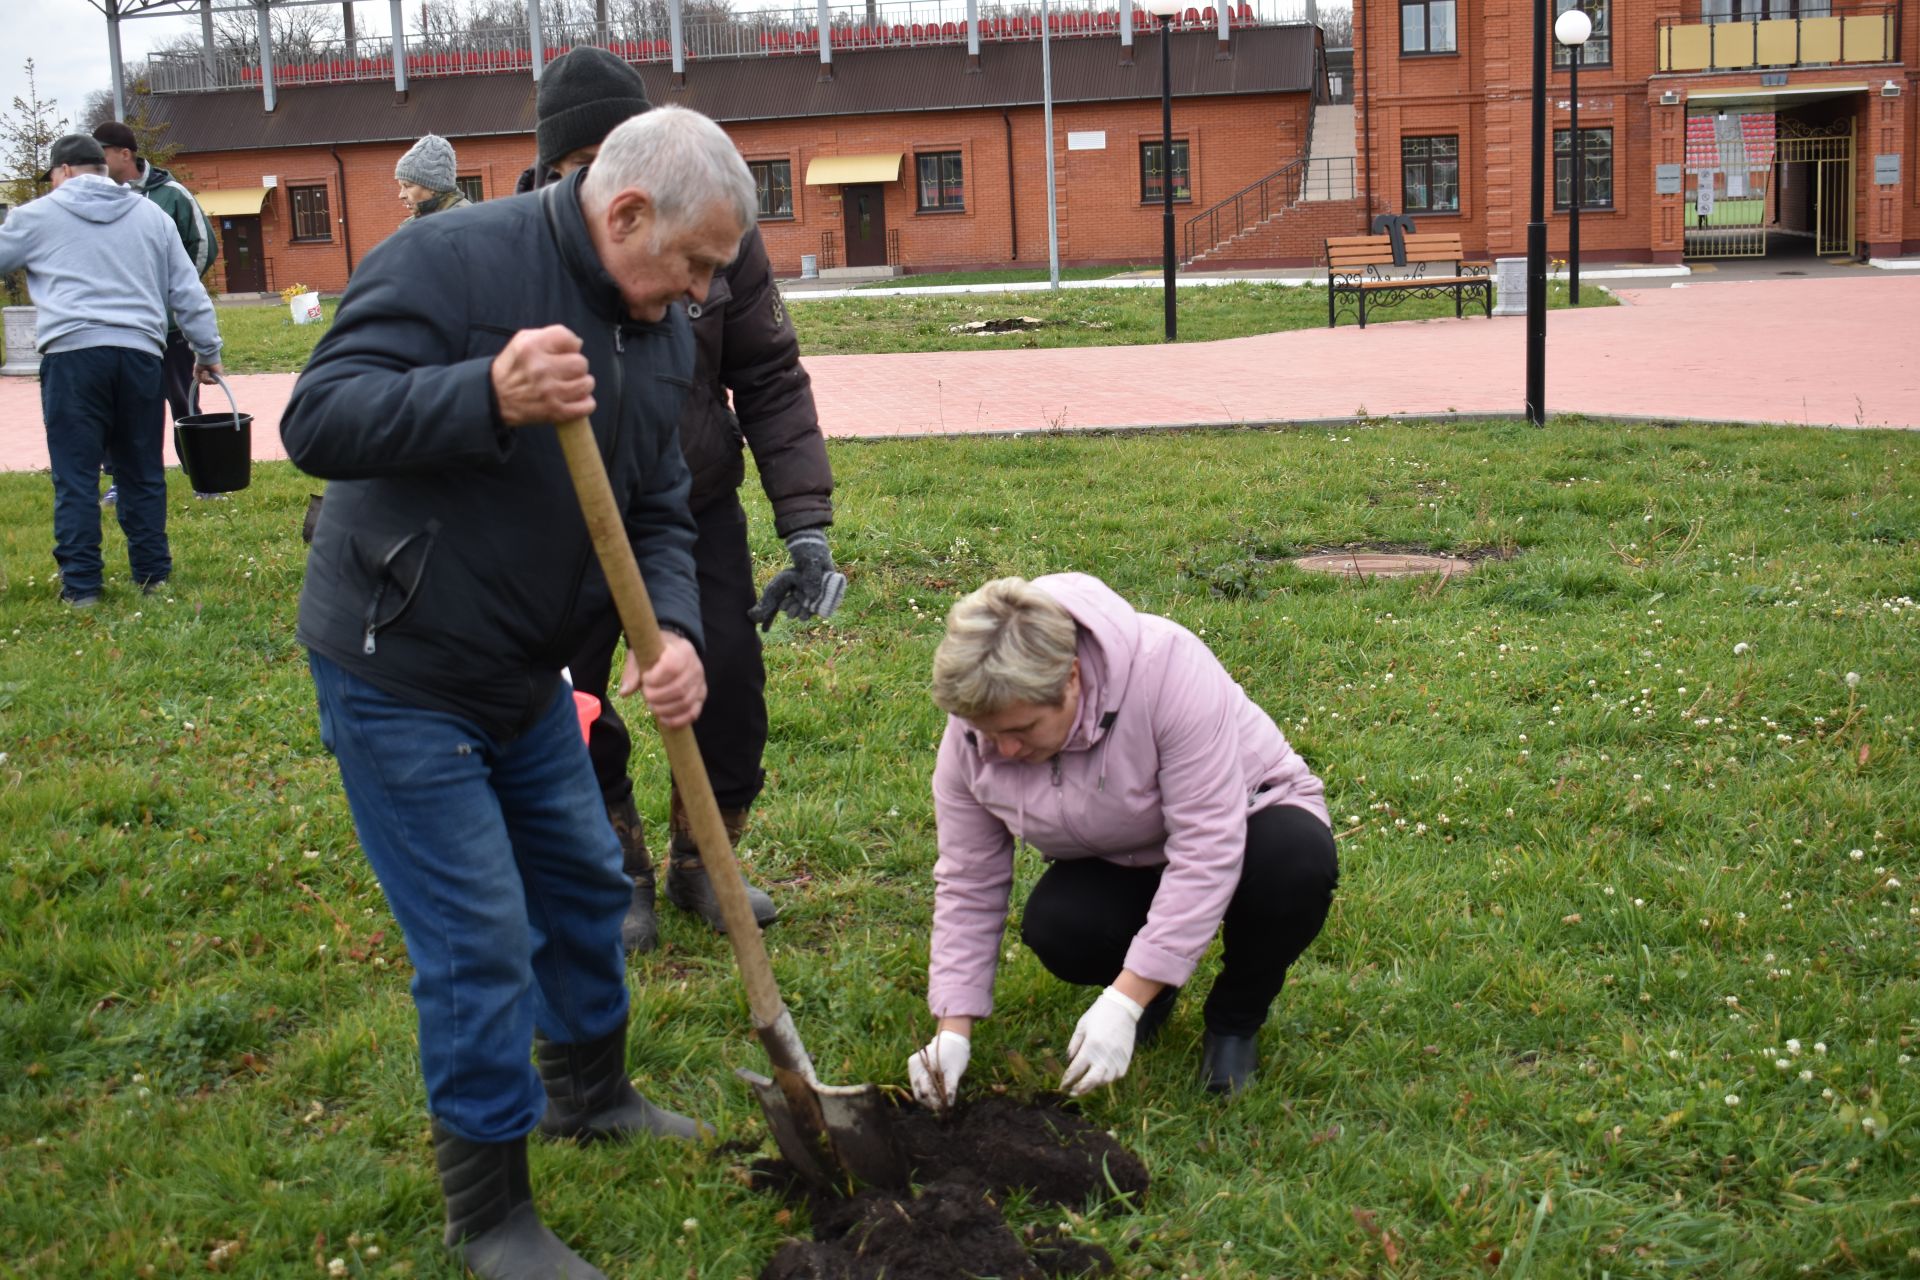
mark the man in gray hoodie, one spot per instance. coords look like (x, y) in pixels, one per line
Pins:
(105, 266)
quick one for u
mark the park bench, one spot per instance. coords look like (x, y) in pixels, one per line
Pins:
(1359, 267)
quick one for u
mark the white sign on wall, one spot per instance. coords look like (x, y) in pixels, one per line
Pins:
(1092, 140)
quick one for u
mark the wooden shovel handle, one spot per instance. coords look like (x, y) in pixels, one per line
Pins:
(683, 752)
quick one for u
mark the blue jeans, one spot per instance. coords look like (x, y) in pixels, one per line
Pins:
(500, 865)
(105, 402)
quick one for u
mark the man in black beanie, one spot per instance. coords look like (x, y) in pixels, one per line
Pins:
(743, 344)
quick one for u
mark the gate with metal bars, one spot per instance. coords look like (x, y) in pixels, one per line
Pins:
(1751, 174)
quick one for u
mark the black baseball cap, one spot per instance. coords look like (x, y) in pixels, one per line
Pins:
(74, 148)
(115, 134)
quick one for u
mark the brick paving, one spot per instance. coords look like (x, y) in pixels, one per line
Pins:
(1815, 352)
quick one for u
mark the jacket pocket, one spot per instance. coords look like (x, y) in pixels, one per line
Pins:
(397, 571)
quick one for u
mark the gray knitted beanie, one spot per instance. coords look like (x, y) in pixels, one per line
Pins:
(428, 163)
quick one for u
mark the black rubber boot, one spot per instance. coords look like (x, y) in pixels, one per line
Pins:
(1154, 1016)
(640, 930)
(492, 1226)
(1227, 1063)
(687, 884)
(590, 1099)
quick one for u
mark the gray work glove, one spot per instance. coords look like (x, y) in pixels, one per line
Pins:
(812, 588)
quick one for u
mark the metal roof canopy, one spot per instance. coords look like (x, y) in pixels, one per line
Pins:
(240, 202)
(1756, 96)
(826, 171)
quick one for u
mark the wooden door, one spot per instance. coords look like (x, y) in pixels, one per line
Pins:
(240, 250)
(866, 217)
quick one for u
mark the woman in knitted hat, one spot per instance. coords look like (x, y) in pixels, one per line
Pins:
(427, 176)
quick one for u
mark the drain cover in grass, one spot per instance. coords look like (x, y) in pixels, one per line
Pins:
(1382, 564)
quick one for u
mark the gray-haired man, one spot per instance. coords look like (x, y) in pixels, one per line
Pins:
(450, 578)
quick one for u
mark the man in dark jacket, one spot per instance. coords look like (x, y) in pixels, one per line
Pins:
(745, 345)
(451, 577)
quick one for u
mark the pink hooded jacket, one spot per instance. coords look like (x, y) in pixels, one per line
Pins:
(1164, 762)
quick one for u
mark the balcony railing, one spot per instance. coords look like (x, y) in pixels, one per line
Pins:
(765, 33)
(1862, 33)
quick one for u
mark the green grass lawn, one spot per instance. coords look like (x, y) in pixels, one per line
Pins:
(264, 340)
(1621, 979)
(1730, 213)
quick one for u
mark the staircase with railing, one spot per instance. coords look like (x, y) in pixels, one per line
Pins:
(1256, 208)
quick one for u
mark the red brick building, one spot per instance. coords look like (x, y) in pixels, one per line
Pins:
(923, 157)
(1713, 128)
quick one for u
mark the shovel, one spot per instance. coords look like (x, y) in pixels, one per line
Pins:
(820, 1128)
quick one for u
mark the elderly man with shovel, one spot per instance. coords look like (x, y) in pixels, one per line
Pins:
(451, 576)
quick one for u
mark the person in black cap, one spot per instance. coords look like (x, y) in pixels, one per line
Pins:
(744, 344)
(122, 149)
(105, 269)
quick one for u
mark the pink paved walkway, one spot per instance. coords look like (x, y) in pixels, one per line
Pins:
(1823, 352)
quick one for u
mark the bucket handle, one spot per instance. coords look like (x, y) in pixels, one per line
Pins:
(231, 402)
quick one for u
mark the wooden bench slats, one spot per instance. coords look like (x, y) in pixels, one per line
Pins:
(1350, 257)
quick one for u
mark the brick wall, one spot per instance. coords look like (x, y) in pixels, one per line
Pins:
(1482, 94)
(1102, 219)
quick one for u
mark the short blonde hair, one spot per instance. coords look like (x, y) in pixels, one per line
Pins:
(1007, 643)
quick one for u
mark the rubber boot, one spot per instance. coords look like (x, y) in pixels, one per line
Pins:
(590, 1099)
(687, 884)
(492, 1226)
(640, 930)
(1227, 1063)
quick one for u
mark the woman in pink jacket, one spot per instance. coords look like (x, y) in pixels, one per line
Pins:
(1168, 808)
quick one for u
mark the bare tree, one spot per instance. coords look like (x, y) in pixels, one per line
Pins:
(1336, 25)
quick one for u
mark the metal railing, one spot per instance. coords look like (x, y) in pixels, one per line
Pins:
(1821, 33)
(829, 251)
(1271, 196)
(762, 33)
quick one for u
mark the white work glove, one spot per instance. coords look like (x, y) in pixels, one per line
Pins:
(1102, 1044)
(935, 1071)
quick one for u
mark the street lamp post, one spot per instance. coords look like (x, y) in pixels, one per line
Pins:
(1572, 29)
(1165, 10)
(1537, 227)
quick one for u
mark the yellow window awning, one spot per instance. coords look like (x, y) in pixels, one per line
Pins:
(240, 202)
(826, 171)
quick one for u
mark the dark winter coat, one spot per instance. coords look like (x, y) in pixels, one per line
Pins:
(746, 346)
(451, 565)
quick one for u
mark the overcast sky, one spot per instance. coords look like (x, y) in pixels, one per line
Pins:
(67, 40)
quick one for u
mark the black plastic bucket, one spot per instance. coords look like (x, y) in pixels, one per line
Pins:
(216, 449)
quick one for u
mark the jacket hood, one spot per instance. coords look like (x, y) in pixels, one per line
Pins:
(1109, 639)
(152, 178)
(96, 198)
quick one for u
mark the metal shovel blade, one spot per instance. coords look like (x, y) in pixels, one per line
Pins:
(831, 1132)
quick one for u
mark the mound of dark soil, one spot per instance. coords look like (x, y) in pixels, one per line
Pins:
(953, 1230)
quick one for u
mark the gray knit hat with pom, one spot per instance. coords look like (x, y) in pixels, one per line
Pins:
(428, 163)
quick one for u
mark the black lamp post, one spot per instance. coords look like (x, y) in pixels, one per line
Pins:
(1537, 228)
(1572, 29)
(1164, 10)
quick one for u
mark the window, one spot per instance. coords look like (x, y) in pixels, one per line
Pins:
(1596, 154)
(470, 188)
(1427, 26)
(940, 186)
(1598, 50)
(1430, 175)
(310, 218)
(774, 180)
(1151, 169)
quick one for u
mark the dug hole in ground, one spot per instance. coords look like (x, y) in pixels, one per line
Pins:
(965, 1165)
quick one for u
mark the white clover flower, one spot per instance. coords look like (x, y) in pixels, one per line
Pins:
(1806, 1076)
(1639, 902)
(1733, 1099)
(1827, 1094)
(1820, 1046)
(1741, 648)
(1793, 1046)
(1857, 854)
(1674, 1054)
(337, 1267)
(690, 1226)
(1781, 1064)
(1853, 679)
(1892, 883)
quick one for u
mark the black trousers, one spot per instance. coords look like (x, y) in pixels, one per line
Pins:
(732, 728)
(1083, 914)
(176, 376)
